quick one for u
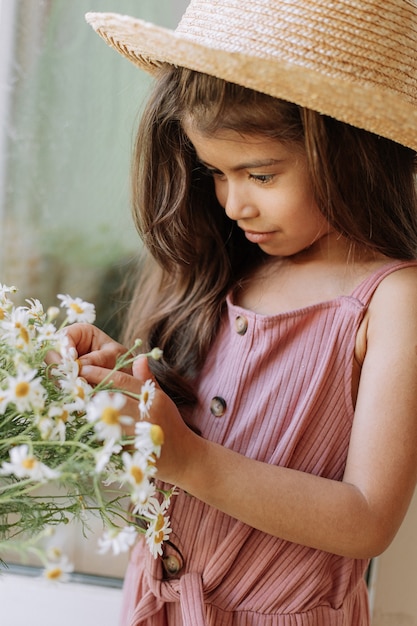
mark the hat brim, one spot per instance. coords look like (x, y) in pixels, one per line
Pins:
(372, 108)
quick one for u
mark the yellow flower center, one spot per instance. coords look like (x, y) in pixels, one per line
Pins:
(160, 522)
(157, 435)
(76, 307)
(29, 463)
(145, 397)
(137, 474)
(158, 538)
(110, 416)
(23, 332)
(2, 313)
(64, 416)
(22, 389)
(54, 573)
(80, 392)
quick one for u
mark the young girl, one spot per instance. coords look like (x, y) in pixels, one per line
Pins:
(280, 281)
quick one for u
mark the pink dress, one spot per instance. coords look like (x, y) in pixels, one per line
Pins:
(276, 388)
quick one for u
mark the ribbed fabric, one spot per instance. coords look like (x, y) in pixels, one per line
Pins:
(286, 383)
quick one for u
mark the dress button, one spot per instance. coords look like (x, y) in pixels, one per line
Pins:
(241, 324)
(171, 564)
(218, 406)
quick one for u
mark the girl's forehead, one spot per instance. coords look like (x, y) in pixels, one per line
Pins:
(202, 136)
(272, 119)
(219, 140)
(226, 145)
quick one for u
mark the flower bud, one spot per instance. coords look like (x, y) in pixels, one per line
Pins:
(156, 354)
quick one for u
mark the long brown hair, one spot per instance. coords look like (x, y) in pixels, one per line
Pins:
(193, 253)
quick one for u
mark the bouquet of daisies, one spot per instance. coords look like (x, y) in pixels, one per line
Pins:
(62, 447)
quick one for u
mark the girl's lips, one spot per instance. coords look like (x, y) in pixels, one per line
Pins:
(255, 237)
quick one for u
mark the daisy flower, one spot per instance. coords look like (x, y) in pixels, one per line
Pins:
(117, 540)
(45, 332)
(4, 290)
(25, 391)
(66, 350)
(53, 426)
(67, 372)
(158, 530)
(24, 465)
(6, 305)
(80, 396)
(77, 388)
(147, 394)
(149, 438)
(78, 310)
(137, 472)
(51, 430)
(139, 498)
(35, 310)
(104, 411)
(18, 329)
(104, 454)
(60, 413)
(58, 569)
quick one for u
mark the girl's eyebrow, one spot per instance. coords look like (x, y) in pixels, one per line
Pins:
(246, 165)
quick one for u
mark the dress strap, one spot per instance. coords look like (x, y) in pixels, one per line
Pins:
(366, 289)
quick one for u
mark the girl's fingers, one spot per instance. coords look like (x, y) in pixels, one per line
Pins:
(86, 338)
(104, 358)
(140, 369)
(52, 357)
(121, 381)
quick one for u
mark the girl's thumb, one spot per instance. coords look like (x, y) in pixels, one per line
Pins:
(140, 369)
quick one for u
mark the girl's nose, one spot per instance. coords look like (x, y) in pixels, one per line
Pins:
(237, 203)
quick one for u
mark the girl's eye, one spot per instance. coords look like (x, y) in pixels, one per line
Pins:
(263, 179)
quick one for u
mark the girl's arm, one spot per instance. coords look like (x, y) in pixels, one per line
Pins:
(357, 517)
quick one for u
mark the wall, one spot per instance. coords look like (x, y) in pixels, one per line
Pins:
(395, 579)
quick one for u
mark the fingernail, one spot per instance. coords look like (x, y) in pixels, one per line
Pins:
(85, 370)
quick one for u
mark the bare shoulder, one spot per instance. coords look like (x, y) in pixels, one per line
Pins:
(392, 313)
(396, 293)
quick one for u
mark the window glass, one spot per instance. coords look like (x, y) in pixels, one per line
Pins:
(69, 107)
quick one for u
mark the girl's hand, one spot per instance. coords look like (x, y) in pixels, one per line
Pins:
(178, 438)
(97, 355)
(92, 345)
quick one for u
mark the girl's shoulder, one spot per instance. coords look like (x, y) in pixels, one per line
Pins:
(398, 282)
(384, 277)
(392, 310)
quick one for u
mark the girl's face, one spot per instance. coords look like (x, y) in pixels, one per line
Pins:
(264, 186)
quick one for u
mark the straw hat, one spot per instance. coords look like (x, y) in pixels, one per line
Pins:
(355, 60)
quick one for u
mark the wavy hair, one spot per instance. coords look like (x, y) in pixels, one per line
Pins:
(193, 254)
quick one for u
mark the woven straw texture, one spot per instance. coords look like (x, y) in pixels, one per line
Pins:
(355, 60)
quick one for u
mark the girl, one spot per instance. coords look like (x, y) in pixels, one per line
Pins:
(280, 281)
